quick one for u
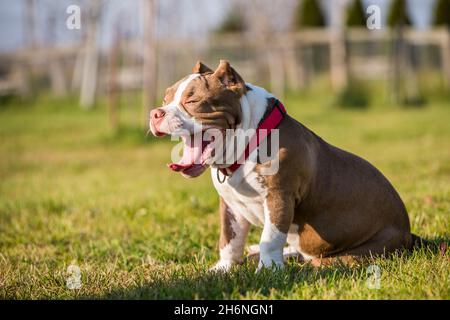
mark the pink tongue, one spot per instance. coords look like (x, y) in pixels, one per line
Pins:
(192, 155)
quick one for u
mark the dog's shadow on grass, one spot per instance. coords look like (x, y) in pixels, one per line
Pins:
(191, 282)
(241, 281)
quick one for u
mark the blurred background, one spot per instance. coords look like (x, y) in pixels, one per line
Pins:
(139, 47)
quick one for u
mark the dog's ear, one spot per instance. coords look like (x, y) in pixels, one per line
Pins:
(201, 68)
(229, 77)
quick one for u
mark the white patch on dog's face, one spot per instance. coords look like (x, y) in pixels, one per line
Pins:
(177, 122)
(179, 93)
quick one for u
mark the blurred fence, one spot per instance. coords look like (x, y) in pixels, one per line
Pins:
(288, 61)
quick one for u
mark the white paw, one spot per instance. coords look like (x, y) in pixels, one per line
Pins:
(221, 266)
(270, 265)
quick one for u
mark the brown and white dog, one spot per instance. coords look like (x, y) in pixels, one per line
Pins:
(325, 203)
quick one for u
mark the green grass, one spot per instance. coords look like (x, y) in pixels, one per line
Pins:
(72, 192)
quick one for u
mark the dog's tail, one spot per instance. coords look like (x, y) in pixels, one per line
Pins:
(435, 246)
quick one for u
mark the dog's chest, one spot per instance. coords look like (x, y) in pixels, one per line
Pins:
(244, 196)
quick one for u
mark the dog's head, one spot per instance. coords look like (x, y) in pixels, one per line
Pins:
(199, 108)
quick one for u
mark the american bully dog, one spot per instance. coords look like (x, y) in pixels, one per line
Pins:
(321, 202)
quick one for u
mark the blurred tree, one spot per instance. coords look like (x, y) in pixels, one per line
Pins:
(233, 22)
(91, 55)
(398, 14)
(150, 67)
(355, 14)
(355, 95)
(309, 14)
(30, 24)
(442, 13)
(442, 18)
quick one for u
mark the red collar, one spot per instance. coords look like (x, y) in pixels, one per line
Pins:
(265, 127)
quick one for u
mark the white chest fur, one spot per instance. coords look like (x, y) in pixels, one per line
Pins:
(243, 193)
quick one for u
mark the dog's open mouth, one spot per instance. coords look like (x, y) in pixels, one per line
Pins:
(196, 151)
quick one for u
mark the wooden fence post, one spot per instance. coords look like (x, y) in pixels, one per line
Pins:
(23, 79)
(338, 48)
(398, 55)
(294, 73)
(150, 76)
(113, 85)
(338, 60)
(91, 57)
(445, 54)
(58, 79)
(276, 72)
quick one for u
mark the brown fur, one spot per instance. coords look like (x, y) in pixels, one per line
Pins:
(342, 204)
(226, 230)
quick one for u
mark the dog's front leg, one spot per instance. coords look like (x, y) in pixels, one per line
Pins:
(278, 215)
(233, 234)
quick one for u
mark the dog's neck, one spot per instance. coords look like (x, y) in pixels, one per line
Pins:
(253, 106)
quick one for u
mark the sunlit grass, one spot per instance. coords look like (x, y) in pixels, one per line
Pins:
(73, 192)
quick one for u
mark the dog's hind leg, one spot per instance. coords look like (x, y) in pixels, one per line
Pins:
(346, 260)
(384, 243)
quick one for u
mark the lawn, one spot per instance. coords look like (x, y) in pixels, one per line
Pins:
(74, 193)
